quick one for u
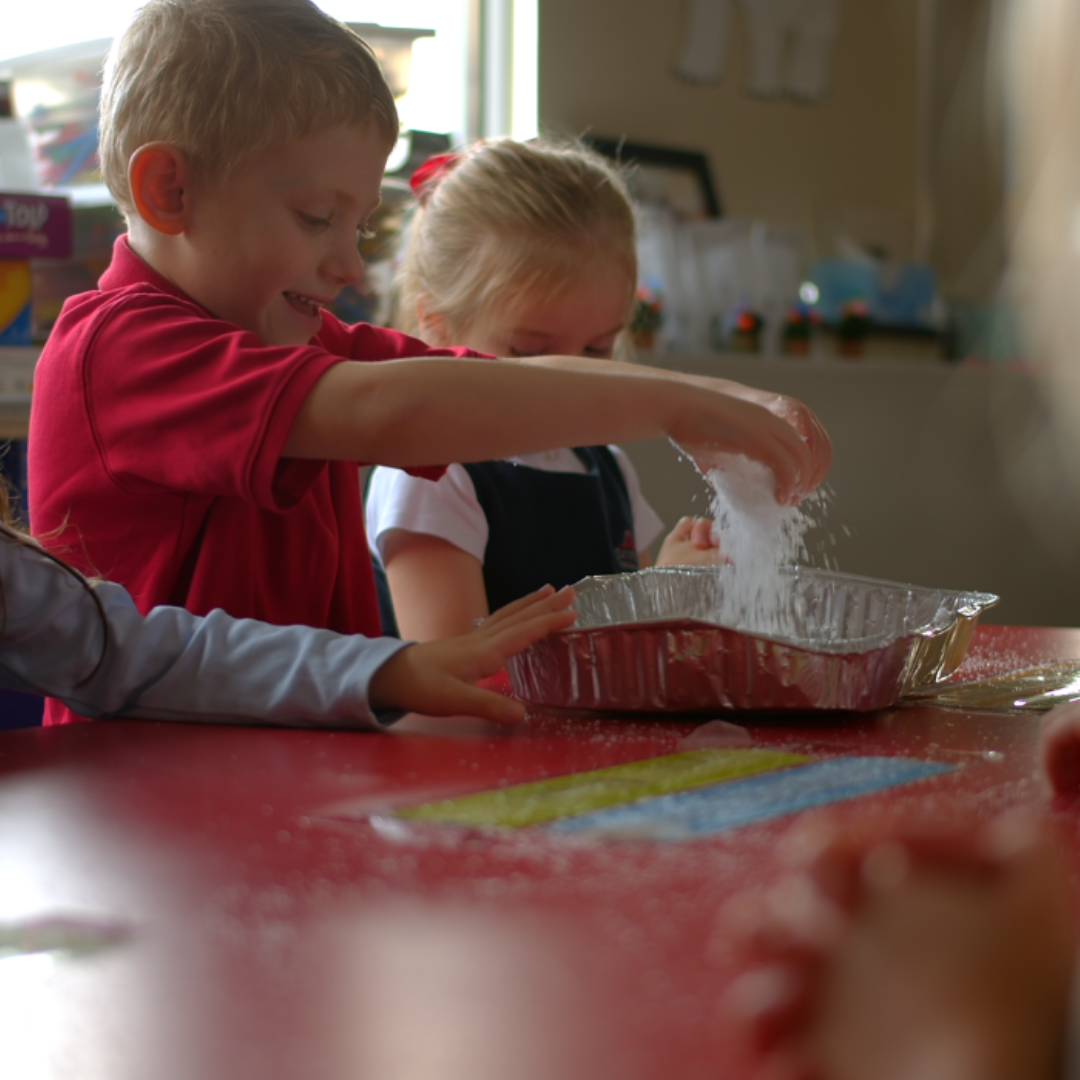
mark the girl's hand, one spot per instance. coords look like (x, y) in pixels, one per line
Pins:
(691, 543)
(437, 678)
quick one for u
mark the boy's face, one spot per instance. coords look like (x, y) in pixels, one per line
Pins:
(278, 240)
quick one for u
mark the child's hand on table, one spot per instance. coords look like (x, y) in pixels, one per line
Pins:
(1059, 748)
(437, 678)
(690, 543)
(915, 952)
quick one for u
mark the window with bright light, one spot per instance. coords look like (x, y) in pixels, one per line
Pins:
(438, 95)
(438, 83)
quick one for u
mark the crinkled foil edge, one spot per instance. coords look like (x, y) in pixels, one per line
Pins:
(851, 643)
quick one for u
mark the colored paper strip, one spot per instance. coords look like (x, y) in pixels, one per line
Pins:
(545, 801)
(758, 798)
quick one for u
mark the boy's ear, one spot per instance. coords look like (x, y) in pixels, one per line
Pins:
(159, 177)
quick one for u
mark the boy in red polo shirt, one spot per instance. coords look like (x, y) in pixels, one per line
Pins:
(197, 421)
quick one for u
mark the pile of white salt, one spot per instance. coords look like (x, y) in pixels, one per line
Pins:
(759, 537)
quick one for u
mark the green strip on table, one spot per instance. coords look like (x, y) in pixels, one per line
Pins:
(582, 793)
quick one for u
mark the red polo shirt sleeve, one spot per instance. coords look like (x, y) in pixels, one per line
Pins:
(208, 413)
(363, 342)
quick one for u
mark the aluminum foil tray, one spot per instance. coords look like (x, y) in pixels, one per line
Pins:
(667, 640)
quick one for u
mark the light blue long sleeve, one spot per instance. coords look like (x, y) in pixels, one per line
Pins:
(172, 665)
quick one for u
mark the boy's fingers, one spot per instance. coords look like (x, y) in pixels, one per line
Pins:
(790, 463)
(812, 432)
(817, 441)
(822, 455)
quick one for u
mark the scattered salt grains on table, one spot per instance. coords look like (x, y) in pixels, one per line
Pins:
(758, 536)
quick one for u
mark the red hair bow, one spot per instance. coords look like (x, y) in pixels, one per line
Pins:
(425, 178)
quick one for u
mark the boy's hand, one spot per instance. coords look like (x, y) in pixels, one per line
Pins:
(806, 423)
(799, 452)
(752, 429)
(432, 410)
(437, 678)
(690, 543)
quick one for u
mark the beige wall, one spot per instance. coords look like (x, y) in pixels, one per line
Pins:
(908, 136)
(965, 149)
(606, 66)
(943, 476)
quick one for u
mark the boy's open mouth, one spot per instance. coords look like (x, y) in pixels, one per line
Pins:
(304, 304)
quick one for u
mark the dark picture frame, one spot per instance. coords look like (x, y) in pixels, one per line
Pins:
(680, 179)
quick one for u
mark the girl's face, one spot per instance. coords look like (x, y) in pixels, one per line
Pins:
(585, 319)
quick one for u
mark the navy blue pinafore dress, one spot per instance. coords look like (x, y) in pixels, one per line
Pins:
(545, 528)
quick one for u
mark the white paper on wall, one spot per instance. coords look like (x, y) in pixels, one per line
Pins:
(703, 54)
(790, 44)
(814, 28)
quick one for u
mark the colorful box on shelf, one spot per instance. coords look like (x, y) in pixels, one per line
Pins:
(32, 226)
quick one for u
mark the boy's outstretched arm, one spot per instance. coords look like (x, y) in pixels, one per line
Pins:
(785, 408)
(431, 411)
(437, 678)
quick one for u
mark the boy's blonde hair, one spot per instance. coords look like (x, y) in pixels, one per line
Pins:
(507, 222)
(225, 79)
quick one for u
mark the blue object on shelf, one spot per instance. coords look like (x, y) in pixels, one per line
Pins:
(905, 294)
(840, 281)
(898, 294)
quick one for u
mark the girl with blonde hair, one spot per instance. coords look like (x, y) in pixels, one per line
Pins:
(518, 250)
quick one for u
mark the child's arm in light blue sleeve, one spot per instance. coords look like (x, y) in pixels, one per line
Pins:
(170, 664)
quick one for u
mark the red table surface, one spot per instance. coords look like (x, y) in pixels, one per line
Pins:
(265, 936)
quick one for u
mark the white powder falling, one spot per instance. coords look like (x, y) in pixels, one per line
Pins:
(758, 536)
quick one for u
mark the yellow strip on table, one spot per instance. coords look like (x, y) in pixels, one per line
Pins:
(581, 793)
